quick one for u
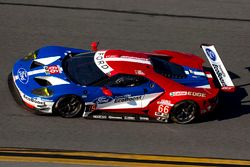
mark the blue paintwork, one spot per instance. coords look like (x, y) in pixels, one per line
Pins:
(58, 90)
(193, 80)
(88, 93)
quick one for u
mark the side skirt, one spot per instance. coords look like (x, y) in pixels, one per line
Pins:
(118, 117)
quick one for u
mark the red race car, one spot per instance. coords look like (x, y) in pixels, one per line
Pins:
(174, 84)
(119, 84)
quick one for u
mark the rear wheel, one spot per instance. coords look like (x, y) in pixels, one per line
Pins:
(184, 112)
(69, 106)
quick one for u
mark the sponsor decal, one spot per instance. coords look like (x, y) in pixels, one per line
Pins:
(135, 58)
(103, 99)
(126, 98)
(52, 69)
(139, 72)
(143, 118)
(178, 93)
(129, 118)
(162, 119)
(34, 100)
(211, 54)
(187, 93)
(101, 63)
(219, 72)
(218, 66)
(23, 75)
(112, 56)
(165, 102)
(100, 116)
(115, 117)
(163, 110)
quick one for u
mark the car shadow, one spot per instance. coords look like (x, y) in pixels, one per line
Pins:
(231, 105)
(248, 68)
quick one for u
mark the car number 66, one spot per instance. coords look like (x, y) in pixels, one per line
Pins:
(163, 108)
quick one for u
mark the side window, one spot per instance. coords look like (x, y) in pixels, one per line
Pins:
(124, 80)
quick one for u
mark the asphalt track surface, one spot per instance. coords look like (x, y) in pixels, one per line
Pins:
(134, 25)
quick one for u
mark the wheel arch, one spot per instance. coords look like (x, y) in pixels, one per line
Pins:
(65, 95)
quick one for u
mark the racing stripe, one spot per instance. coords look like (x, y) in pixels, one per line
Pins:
(47, 60)
(32, 73)
(203, 86)
(36, 72)
(199, 73)
(129, 59)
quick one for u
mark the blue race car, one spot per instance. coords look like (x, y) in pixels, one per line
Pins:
(46, 81)
(117, 84)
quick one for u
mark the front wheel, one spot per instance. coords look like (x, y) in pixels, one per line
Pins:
(184, 112)
(69, 106)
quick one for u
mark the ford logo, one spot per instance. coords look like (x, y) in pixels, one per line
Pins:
(211, 54)
(23, 76)
(103, 99)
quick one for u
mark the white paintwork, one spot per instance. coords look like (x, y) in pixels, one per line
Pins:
(204, 86)
(47, 60)
(199, 73)
(129, 59)
(218, 66)
(139, 103)
(101, 62)
(31, 73)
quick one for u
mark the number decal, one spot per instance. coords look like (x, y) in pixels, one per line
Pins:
(163, 108)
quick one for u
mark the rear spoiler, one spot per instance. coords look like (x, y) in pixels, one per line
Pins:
(218, 67)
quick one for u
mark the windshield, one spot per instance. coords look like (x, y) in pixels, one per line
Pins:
(82, 69)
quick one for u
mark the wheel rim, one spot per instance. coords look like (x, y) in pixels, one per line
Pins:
(69, 106)
(185, 112)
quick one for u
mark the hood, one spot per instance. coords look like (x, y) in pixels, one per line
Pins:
(45, 69)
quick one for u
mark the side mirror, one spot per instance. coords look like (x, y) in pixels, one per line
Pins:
(106, 91)
(94, 46)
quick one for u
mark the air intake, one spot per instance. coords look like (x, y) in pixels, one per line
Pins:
(42, 82)
(35, 64)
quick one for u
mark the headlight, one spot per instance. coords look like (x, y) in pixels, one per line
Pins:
(42, 92)
(31, 56)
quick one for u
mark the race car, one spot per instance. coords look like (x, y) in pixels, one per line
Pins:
(161, 85)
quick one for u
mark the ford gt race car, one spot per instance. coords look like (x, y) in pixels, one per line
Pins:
(117, 84)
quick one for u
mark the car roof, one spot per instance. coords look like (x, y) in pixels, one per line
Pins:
(112, 62)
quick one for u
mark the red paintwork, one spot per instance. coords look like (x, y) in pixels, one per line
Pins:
(167, 84)
(183, 58)
(29, 105)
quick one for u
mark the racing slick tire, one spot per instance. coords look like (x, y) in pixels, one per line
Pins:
(184, 112)
(69, 106)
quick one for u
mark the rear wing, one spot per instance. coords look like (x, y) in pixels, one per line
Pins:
(218, 67)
